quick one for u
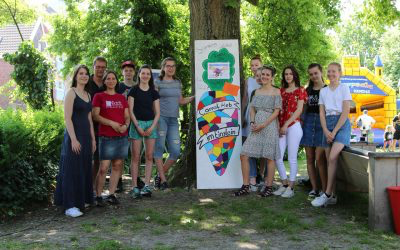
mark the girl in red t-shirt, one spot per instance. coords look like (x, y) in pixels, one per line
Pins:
(110, 110)
(293, 98)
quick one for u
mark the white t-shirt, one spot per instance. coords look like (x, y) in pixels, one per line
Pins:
(251, 86)
(333, 99)
(366, 121)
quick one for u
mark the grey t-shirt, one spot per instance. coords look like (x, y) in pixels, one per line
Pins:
(170, 92)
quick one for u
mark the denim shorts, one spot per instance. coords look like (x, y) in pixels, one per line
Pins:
(134, 134)
(96, 153)
(168, 130)
(112, 148)
(342, 136)
(312, 131)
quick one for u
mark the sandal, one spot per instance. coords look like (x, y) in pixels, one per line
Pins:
(244, 190)
(266, 192)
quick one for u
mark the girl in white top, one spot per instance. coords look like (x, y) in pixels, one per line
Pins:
(334, 106)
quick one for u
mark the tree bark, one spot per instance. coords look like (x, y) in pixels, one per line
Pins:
(209, 20)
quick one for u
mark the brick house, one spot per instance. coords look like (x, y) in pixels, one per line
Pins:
(9, 43)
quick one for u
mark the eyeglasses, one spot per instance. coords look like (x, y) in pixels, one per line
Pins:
(100, 67)
(170, 66)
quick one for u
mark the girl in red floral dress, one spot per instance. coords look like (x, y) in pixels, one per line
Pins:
(293, 98)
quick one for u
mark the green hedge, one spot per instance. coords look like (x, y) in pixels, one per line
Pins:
(30, 144)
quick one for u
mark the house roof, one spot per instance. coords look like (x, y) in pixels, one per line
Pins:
(10, 38)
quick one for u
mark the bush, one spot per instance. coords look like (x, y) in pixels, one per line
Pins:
(30, 144)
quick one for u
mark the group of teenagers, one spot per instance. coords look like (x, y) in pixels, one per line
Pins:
(280, 119)
(104, 118)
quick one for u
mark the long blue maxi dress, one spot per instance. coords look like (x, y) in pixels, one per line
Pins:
(74, 180)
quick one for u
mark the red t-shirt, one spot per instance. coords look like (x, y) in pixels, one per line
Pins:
(289, 104)
(112, 107)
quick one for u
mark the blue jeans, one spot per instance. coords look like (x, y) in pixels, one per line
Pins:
(342, 136)
(168, 129)
(111, 148)
(253, 164)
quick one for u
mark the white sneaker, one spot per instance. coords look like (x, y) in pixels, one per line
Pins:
(280, 191)
(289, 193)
(253, 188)
(332, 200)
(321, 201)
(262, 188)
(73, 212)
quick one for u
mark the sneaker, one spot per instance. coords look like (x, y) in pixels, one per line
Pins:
(157, 182)
(140, 183)
(164, 186)
(332, 200)
(112, 199)
(135, 193)
(321, 201)
(145, 191)
(262, 188)
(280, 190)
(289, 193)
(120, 186)
(312, 194)
(253, 188)
(100, 201)
(73, 212)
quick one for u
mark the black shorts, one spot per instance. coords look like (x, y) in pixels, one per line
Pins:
(396, 135)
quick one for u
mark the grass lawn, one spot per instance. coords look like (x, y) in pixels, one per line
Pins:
(203, 219)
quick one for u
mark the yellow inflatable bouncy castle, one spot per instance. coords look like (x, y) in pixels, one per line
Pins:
(369, 92)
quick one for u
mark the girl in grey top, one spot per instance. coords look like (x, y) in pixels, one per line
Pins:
(169, 88)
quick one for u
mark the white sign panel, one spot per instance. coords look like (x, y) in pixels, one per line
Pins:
(218, 133)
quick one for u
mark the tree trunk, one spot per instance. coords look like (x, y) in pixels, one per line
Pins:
(209, 20)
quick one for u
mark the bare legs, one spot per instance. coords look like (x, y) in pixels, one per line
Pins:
(312, 174)
(316, 160)
(332, 155)
(322, 166)
(244, 159)
(115, 174)
(136, 146)
(269, 179)
(135, 161)
(246, 170)
(149, 143)
(163, 168)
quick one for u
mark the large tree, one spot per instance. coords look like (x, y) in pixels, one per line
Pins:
(209, 20)
(298, 37)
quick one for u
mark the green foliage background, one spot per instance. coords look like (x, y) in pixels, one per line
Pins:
(24, 14)
(289, 32)
(30, 144)
(31, 73)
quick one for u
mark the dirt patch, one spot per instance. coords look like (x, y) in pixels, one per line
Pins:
(208, 219)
